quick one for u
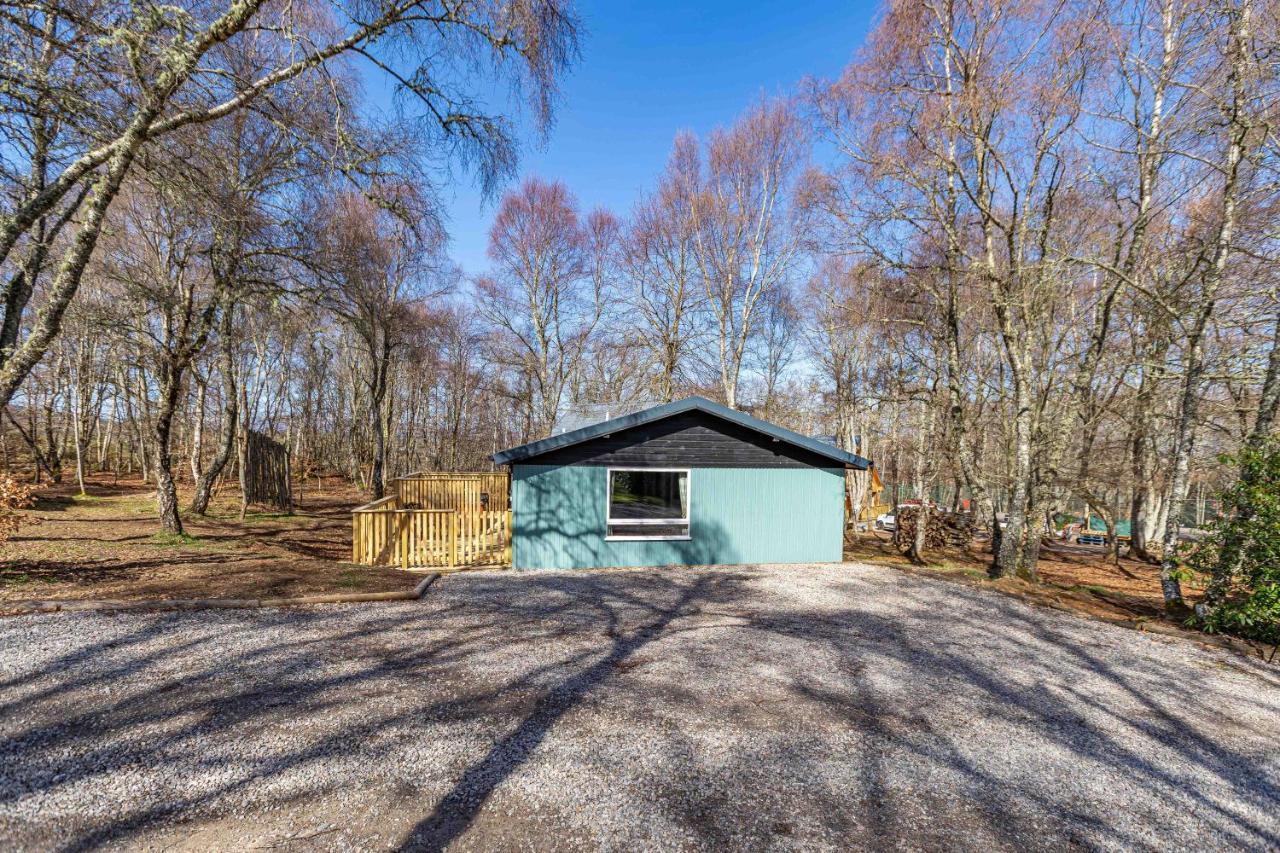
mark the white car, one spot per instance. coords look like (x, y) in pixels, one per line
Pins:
(886, 521)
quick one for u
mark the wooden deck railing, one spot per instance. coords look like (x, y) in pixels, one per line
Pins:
(461, 491)
(872, 510)
(384, 534)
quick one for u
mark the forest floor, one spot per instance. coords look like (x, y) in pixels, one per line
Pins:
(108, 545)
(1075, 578)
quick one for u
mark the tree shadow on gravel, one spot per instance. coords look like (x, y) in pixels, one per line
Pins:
(1031, 670)
(241, 712)
(455, 812)
(49, 751)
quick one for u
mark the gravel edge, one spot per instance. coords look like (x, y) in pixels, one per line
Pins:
(26, 608)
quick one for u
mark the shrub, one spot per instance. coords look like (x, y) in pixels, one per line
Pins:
(1239, 559)
(14, 497)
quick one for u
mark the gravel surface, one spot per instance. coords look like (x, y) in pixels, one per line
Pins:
(793, 707)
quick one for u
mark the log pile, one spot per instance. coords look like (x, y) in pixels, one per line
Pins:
(936, 533)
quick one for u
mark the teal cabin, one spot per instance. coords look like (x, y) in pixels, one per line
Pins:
(685, 483)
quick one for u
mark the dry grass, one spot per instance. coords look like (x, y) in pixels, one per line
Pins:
(108, 544)
(1075, 578)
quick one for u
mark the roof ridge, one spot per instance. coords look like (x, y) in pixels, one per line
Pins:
(675, 407)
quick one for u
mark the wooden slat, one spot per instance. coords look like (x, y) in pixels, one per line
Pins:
(383, 533)
(460, 491)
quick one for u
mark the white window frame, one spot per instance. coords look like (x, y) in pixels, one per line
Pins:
(609, 520)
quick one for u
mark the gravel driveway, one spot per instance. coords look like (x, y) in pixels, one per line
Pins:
(782, 707)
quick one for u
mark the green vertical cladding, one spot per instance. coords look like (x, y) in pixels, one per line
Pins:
(737, 515)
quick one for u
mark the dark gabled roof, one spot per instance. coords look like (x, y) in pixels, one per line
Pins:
(666, 410)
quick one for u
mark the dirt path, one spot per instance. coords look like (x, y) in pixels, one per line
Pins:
(788, 707)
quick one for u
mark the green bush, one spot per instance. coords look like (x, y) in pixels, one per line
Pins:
(1062, 519)
(1239, 559)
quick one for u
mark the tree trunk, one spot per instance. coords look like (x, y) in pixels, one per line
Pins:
(997, 532)
(915, 553)
(197, 434)
(377, 419)
(242, 448)
(144, 415)
(53, 454)
(1237, 131)
(1033, 540)
(1008, 562)
(81, 449)
(230, 418)
(166, 488)
(1147, 501)
(1144, 512)
(376, 471)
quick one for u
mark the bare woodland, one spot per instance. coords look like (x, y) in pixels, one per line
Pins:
(1021, 253)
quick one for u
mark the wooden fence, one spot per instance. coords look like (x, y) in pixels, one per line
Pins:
(264, 472)
(436, 521)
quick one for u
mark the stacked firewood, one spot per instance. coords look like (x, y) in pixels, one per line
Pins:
(937, 532)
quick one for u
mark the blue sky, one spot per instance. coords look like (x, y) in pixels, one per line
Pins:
(650, 69)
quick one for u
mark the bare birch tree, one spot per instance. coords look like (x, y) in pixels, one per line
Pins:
(549, 290)
(746, 240)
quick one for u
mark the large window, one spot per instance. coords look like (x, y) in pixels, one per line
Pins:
(648, 504)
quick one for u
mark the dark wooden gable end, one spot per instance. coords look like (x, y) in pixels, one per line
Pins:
(686, 440)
